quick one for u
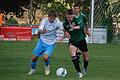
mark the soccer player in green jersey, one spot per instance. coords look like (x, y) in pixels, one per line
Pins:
(81, 19)
(80, 16)
(76, 41)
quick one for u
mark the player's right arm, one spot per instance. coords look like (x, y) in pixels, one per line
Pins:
(42, 30)
(66, 35)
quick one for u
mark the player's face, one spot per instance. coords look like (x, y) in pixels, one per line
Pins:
(51, 19)
(69, 17)
(76, 10)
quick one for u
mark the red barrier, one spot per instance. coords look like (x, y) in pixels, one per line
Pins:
(15, 33)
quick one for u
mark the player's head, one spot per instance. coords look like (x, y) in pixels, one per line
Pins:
(76, 9)
(69, 14)
(51, 15)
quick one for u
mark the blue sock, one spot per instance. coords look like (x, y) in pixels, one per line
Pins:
(33, 65)
(48, 62)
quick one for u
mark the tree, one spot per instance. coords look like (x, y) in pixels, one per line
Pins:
(60, 6)
(14, 6)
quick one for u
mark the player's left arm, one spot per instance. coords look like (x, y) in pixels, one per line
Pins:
(42, 30)
(86, 28)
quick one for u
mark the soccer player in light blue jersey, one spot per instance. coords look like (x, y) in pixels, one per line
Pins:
(46, 42)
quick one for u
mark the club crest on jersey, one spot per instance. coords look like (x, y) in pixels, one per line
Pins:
(53, 26)
(70, 29)
(73, 23)
(67, 26)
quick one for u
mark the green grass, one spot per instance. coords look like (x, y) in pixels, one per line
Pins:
(15, 58)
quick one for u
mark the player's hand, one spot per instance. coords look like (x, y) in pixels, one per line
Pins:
(61, 40)
(87, 32)
(67, 35)
(42, 31)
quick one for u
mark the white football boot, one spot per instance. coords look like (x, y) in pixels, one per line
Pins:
(32, 71)
(84, 71)
(47, 70)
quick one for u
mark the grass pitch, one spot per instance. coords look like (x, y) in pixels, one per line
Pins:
(15, 58)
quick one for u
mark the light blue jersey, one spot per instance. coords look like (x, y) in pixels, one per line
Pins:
(50, 36)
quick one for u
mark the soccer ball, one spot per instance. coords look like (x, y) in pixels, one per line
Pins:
(61, 72)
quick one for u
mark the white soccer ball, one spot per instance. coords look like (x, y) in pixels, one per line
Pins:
(61, 72)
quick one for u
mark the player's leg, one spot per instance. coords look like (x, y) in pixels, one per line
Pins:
(47, 64)
(34, 61)
(78, 53)
(86, 60)
(84, 50)
(33, 64)
(46, 59)
(46, 56)
(75, 60)
(36, 53)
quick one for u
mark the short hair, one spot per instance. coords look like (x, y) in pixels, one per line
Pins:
(52, 13)
(69, 12)
(76, 5)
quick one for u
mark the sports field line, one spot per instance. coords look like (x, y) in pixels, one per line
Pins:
(112, 57)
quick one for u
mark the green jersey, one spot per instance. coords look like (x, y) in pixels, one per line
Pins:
(75, 34)
(81, 19)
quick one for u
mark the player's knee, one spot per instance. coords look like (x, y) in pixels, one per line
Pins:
(34, 58)
(45, 57)
(86, 57)
(75, 59)
(78, 53)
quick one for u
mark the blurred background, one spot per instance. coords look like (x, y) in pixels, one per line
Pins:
(106, 14)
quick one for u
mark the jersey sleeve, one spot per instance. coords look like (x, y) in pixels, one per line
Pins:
(59, 24)
(83, 21)
(42, 24)
(65, 25)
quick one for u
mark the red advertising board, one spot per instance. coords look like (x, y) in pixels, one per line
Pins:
(15, 33)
